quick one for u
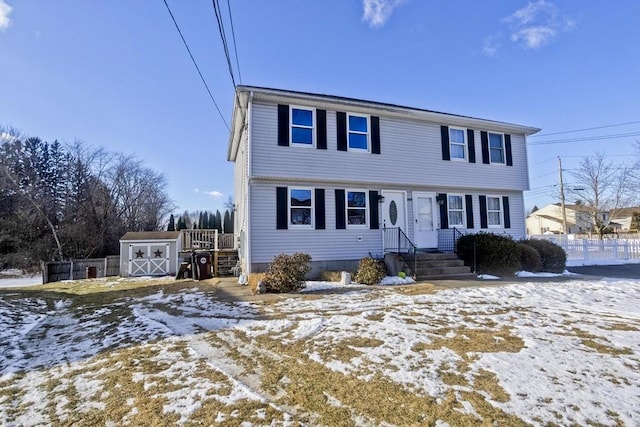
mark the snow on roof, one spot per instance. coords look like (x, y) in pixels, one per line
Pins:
(150, 235)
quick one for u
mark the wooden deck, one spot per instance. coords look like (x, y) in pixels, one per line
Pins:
(206, 240)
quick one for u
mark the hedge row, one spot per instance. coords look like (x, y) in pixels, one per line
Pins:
(501, 255)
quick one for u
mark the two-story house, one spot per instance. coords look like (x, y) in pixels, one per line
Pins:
(328, 176)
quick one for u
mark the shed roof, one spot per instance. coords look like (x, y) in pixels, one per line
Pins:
(151, 235)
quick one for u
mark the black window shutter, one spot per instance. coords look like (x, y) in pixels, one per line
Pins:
(469, 205)
(319, 196)
(444, 133)
(321, 129)
(507, 149)
(341, 126)
(283, 125)
(282, 219)
(341, 221)
(373, 210)
(375, 135)
(483, 211)
(484, 138)
(444, 215)
(471, 141)
(507, 214)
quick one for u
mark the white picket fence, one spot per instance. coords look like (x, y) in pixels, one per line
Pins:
(595, 249)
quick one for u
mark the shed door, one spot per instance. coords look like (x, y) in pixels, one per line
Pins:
(149, 259)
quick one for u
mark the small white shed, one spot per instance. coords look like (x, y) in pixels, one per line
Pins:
(149, 253)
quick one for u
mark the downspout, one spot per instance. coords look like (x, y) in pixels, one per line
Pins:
(249, 175)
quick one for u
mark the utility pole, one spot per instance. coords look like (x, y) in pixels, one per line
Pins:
(564, 210)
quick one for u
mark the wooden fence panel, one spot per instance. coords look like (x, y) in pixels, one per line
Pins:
(77, 269)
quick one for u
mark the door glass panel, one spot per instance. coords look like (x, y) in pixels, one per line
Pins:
(425, 214)
(393, 212)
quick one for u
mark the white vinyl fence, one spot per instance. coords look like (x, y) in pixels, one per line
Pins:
(595, 249)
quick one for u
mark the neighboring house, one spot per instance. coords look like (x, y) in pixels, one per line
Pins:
(624, 218)
(332, 176)
(549, 219)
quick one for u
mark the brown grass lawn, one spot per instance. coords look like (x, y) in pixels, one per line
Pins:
(165, 353)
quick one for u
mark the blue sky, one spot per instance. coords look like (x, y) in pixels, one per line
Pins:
(116, 74)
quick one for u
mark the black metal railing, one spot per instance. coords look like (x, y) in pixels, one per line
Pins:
(448, 239)
(396, 241)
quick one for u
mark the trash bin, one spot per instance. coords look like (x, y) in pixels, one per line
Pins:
(202, 261)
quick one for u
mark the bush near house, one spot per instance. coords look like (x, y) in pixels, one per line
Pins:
(495, 254)
(286, 273)
(530, 259)
(553, 257)
(370, 271)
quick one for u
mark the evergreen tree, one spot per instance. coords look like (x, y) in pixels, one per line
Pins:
(172, 224)
(201, 221)
(218, 221)
(212, 221)
(227, 225)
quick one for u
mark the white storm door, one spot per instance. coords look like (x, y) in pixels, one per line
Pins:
(393, 210)
(424, 212)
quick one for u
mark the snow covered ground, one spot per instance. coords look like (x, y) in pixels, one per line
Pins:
(562, 353)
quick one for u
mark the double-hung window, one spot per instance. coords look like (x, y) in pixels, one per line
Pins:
(356, 208)
(456, 210)
(457, 143)
(494, 211)
(496, 147)
(301, 207)
(302, 126)
(358, 132)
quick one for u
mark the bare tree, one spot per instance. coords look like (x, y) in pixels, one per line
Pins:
(603, 189)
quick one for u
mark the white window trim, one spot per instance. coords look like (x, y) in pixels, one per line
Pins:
(465, 144)
(312, 127)
(312, 207)
(501, 212)
(464, 210)
(368, 133)
(504, 150)
(366, 207)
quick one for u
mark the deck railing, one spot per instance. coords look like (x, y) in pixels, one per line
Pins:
(209, 240)
(448, 239)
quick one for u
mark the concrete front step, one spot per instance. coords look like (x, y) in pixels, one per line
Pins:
(438, 265)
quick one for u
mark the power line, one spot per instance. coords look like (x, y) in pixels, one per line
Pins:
(223, 37)
(585, 129)
(235, 47)
(196, 65)
(588, 138)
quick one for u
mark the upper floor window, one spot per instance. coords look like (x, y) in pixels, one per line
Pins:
(301, 207)
(302, 124)
(496, 147)
(457, 143)
(494, 211)
(455, 206)
(356, 208)
(358, 132)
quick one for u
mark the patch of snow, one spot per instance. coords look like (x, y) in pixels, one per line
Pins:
(487, 277)
(542, 274)
(315, 286)
(16, 282)
(396, 280)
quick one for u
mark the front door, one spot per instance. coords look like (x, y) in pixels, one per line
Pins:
(424, 212)
(393, 210)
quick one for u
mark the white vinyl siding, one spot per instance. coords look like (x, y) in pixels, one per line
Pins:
(411, 153)
(322, 245)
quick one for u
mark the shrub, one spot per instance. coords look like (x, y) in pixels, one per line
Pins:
(495, 254)
(370, 271)
(530, 259)
(553, 257)
(286, 273)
